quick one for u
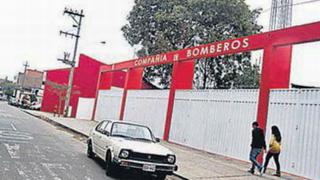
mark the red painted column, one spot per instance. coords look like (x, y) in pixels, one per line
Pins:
(104, 82)
(182, 78)
(275, 74)
(133, 81)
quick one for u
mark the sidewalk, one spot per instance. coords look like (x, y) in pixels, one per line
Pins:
(193, 164)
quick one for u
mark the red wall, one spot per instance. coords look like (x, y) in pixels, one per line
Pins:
(84, 82)
(51, 99)
(118, 79)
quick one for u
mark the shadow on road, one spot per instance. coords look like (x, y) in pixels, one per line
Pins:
(126, 174)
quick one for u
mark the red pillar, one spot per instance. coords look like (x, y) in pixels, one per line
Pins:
(104, 82)
(182, 78)
(275, 74)
(133, 81)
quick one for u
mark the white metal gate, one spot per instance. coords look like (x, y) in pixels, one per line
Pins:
(297, 114)
(217, 121)
(148, 107)
(85, 108)
(109, 104)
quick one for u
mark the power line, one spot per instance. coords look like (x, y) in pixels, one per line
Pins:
(294, 4)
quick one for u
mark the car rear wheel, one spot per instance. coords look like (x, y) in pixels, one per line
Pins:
(111, 168)
(90, 152)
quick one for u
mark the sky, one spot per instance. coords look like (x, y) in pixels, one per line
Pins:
(30, 32)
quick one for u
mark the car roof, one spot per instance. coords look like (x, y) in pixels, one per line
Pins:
(123, 121)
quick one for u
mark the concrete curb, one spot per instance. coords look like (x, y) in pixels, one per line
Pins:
(56, 123)
(181, 177)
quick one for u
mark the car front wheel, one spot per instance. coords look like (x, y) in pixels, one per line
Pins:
(111, 168)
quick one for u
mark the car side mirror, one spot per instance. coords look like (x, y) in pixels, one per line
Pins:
(106, 133)
(157, 140)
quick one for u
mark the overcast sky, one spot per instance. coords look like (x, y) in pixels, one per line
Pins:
(29, 31)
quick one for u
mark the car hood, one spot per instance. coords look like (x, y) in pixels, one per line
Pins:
(141, 146)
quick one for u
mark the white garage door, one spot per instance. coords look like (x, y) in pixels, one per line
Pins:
(85, 108)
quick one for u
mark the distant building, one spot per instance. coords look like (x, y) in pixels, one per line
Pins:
(30, 84)
(32, 80)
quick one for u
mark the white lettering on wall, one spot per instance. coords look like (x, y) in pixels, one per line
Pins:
(222, 47)
(245, 43)
(235, 44)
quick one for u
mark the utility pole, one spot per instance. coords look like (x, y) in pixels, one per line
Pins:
(26, 65)
(77, 18)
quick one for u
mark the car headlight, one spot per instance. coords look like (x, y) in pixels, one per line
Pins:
(124, 154)
(171, 159)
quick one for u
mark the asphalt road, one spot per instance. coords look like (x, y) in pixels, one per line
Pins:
(33, 149)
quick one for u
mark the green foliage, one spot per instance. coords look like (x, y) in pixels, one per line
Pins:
(8, 87)
(157, 26)
(9, 92)
(225, 72)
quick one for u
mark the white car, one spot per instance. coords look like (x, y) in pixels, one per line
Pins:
(35, 106)
(130, 146)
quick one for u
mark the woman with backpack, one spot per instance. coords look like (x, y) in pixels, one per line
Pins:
(274, 150)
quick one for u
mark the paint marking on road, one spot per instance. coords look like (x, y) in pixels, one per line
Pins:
(13, 150)
(13, 127)
(13, 141)
(15, 135)
(3, 115)
(87, 178)
(22, 173)
(5, 129)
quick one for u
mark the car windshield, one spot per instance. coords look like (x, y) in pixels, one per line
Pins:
(131, 131)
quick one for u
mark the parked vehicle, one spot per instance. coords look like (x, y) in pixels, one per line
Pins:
(3, 98)
(125, 145)
(13, 102)
(35, 106)
(25, 101)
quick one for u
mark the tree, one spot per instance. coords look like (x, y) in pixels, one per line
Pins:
(8, 88)
(157, 26)
(225, 72)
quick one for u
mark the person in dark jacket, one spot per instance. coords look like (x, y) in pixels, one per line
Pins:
(258, 143)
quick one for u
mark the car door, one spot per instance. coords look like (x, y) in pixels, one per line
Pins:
(96, 138)
(105, 138)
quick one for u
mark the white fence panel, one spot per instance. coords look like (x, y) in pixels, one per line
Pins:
(297, 114)
(217, 121)
(148, 107)
(109, 104)
(85, 108)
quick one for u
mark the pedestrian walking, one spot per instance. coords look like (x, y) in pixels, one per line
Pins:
(257, 145)
(274, 150)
